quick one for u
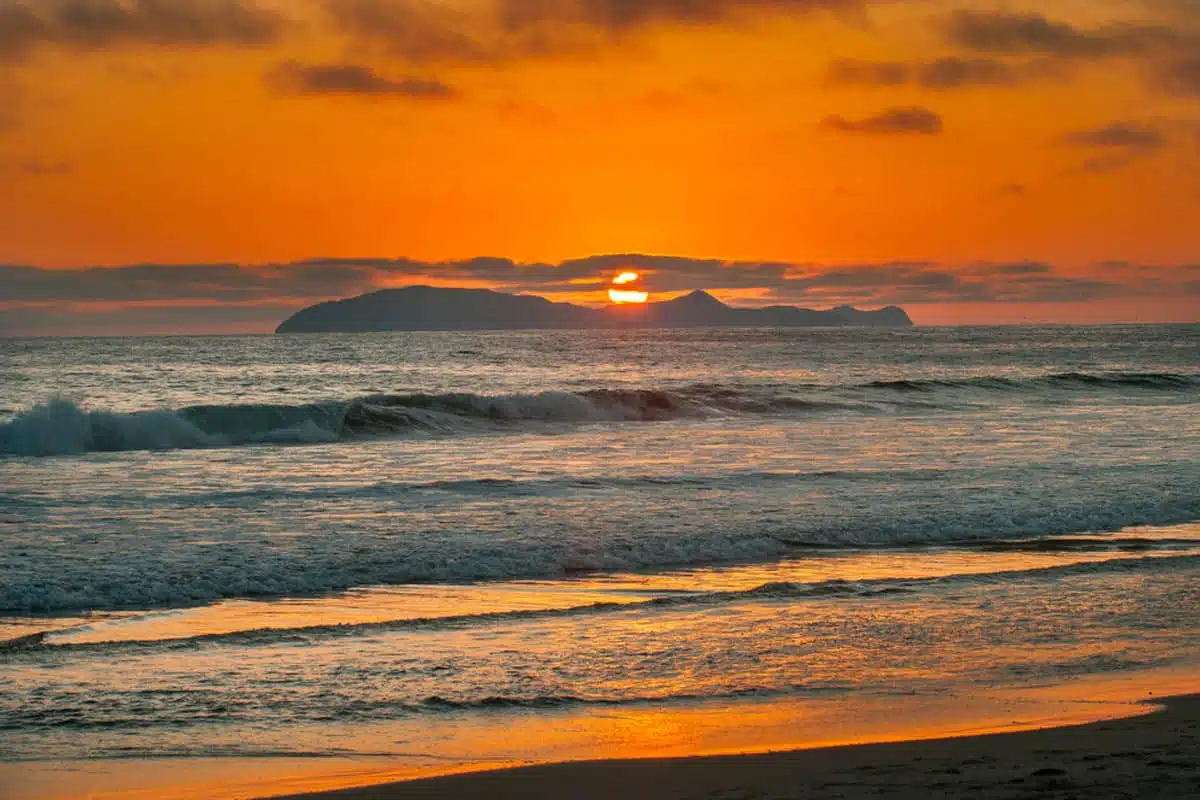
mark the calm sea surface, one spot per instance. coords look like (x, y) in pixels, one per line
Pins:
(248, 546)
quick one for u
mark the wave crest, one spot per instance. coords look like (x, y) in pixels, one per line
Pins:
(59, 426)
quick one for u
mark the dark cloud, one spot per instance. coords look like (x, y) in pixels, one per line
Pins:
(892, 121)
(20, 29)
(227, 283)
(422, 31)
(673, 274)
(244, 291)
(1007, 32)
(1188, 10)
(140, 320)
(955, 73)
(1015, 33)
(920, 283)
(417, 30)
(1181, 77)
(939, 74)
(1118, 145)
(1118, 135)
(872, 74)
(1018, 268)
(352, 79)
(619, 15)
(1167, 52)
(89, 24)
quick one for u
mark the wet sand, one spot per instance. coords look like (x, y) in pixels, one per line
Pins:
(1154, 755)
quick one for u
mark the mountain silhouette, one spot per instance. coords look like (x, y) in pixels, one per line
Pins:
(425, 308)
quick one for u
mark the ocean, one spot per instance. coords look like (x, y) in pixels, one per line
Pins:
(320, 546)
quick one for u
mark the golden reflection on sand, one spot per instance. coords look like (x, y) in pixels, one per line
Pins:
(749, 726)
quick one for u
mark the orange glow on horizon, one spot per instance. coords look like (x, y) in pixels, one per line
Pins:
(627, 298)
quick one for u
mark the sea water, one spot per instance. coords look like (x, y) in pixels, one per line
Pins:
(248, 546)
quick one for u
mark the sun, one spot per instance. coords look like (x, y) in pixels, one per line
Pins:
(626, 289)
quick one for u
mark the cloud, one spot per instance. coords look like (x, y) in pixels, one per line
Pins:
(140, 320)
(416, 30)
(1187, 10)
(892, 121)
(620, 15)
(207, 288)
(20, 28)
(1017, 268)
(1015, 33)
(956, 73)
(1165, 47)
(294, 77)
(1181, 77)
(924, 283)
(422, 31)
(93, 24)
(1118, 135)
(1118, 145)
(872, 74)
(938, 75)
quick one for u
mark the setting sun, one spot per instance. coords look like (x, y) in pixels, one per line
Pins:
(631, 291)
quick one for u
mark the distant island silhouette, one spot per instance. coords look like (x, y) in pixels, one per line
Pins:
(425, 308)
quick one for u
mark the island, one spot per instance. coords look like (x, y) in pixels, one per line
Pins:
(426, 308)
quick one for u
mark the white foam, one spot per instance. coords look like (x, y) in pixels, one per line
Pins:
(59, 426)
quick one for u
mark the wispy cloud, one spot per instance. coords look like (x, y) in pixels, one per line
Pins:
(1181, 77)
(940, 74)
(1166, 51)
(423, 32)
(890, 122)
(231, 297)
(1005, 32)
(293, 77)
(1118, 135)
(300, 282)
(92, 24)
(1117, 145)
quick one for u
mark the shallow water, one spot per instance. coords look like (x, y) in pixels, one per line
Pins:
(256, 546)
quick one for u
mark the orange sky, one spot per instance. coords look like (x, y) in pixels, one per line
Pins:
(832, 135)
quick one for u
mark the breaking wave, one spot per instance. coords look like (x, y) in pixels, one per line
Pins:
(60, 426)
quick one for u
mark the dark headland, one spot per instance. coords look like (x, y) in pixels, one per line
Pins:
(424, 308)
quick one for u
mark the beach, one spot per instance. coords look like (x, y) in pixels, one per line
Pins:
(1107, 737)
(1150, 755)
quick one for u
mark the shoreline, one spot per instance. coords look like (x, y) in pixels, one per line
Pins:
(1146, 755)
(651, 751)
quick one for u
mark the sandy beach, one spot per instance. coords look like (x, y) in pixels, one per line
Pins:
(1153, 755)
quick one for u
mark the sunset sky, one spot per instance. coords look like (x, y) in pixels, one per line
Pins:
(212, 165)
